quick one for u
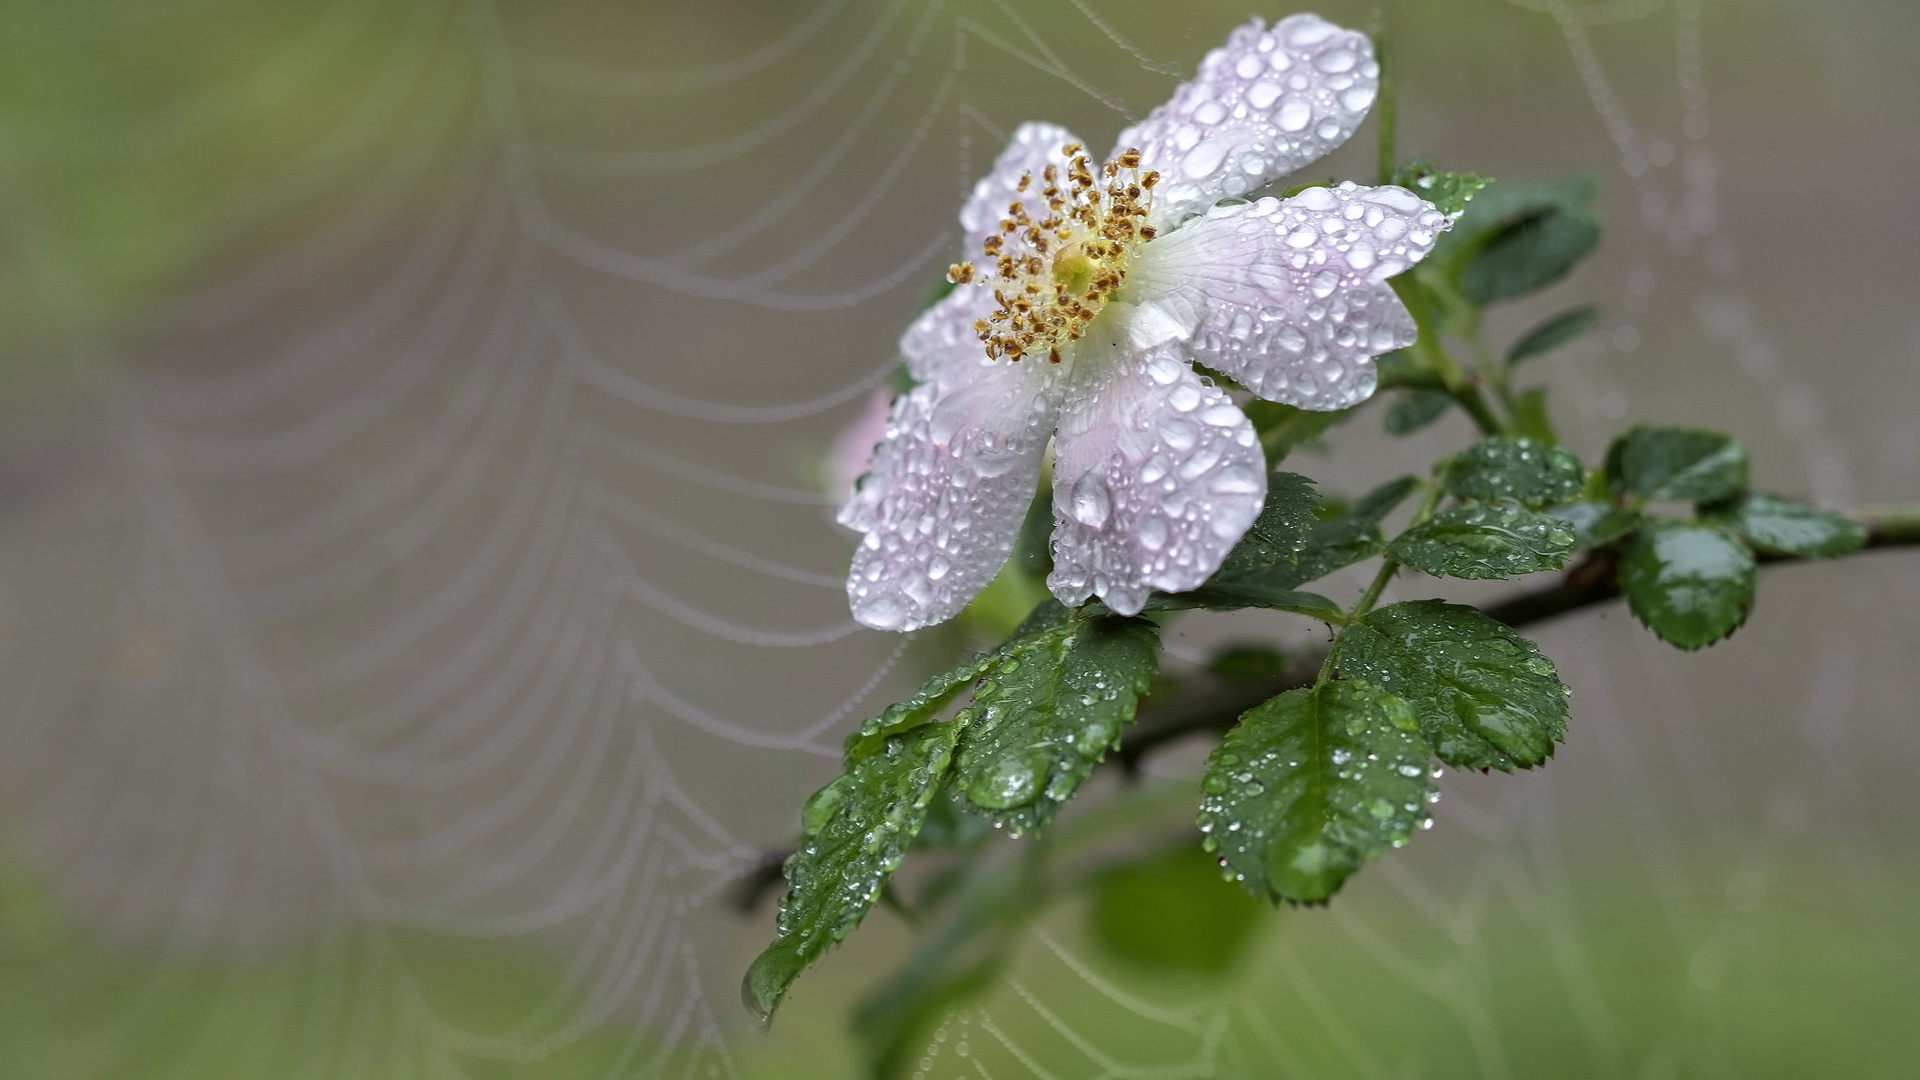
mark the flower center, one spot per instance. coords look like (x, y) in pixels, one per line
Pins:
(1051, 275)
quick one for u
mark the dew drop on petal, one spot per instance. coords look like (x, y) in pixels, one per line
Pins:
(1091, 503)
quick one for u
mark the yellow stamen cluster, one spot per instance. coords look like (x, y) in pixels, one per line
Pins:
(1053, 273)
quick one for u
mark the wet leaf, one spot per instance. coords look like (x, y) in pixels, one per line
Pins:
(1496, 539)
(1555, 332)
(1532, 473)
(1515, 238)
(925, 705)
(1596, 524)
(1527, 255)
(1312, 784)
(1449, 192)
(1415, 410)
(1485, 696)
(1049, 708)
(855, 832)
(1283, 427)
(1265, 587)
(1334, 544)
(1375, 505)
(1171, 911)
(1280, 531)
(1785, 527)
(1668, 463)
(1690, 584)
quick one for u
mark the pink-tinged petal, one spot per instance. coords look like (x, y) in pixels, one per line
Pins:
(942, 346)
(944, 496)
(1156, 476)
(1290, 296)
(1267, 102)
(853, 447)
(1034, 146)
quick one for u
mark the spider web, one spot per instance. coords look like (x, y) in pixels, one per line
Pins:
(431, 613)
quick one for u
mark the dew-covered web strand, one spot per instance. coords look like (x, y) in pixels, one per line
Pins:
(1536, 886)
(571, 75)
(544, 673)
(633, 163)
(617, 381)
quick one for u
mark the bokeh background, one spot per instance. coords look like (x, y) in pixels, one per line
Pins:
(420, 610)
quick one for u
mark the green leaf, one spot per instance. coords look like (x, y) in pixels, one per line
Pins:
(1449, 192)
(1553, 333)
(1785, 527)
(1312, 784)
(1033, 550)
(1332, 545)
(1051, 707)
(1280, 531)
(1690, 584)
(1515, 238)
(1532, 473)
(1264, 587)
(1375, 505)
(1485, 696)
(951, 824)
(1505, 202)
(921, 708)
(1528, 255)
(1415, 410)
(1283, 427)
(1596, 524)
(1666, 463)
(855, 832)
(1496, 539)
(1530, 417)
(1172, 912)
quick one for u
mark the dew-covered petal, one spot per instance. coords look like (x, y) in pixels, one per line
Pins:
(1156, 475)
(944, 495)
(1289, 296)
(1267, 102)
(941, 346)
(1035, 145)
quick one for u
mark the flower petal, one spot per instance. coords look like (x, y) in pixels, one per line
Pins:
(942, 346)
(943, 498)
(1264, 104)
(1035, 145)
(1289, 297)
(1156, 476)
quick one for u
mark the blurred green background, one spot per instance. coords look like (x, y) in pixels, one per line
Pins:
(414, 636)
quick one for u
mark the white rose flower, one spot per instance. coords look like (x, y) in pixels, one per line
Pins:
(1097, 286)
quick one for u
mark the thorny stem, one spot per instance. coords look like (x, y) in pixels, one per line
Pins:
(1210, 703)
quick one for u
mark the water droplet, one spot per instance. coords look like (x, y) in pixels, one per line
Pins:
(1336, 60)
(1295, 115)
(1205, 158)
(1091, 503)
(1153, 533)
